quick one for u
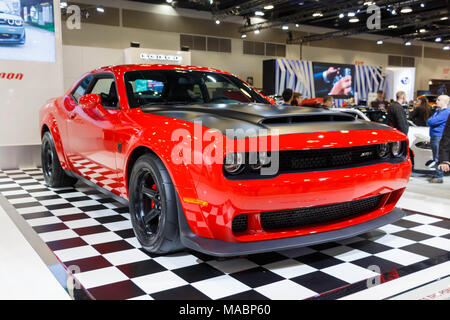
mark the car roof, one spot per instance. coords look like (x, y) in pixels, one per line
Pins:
(138, 67)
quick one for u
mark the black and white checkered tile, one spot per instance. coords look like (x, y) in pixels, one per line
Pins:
(92, 234)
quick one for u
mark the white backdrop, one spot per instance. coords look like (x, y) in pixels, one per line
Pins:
(20, 100)
(400, 79)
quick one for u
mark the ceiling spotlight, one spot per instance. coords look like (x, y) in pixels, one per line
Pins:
(394, 12)
(444, 18)
(256, 31)
(63, 5)
(406, 10)
(243, 36)
(408, 43)
(341, 16)
(423, 30)
(217, 21)
(297, 25)
(100, 9)
(269, 7)
(353, 20)
(317, 14)
(392, 26)
(350, 14)
(369, 3)
(169, 1)
(285, 27)
(259, 13)
(380, 42)
(422, 5)
(447, 47)
(438, 39)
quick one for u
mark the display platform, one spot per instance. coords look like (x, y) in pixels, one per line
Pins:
(91, 234)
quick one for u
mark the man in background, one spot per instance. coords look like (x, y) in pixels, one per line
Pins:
(380, 103)
(444, 149)
(328, 102)
(437, 124)
(288, 96)
(396, 115)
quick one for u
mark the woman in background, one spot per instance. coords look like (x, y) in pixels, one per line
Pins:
(297, 100)
(421, 112)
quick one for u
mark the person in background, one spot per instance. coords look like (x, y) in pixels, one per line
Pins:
(444, 149)
(421, 113)
(288, 96)
(396, 116)
(437, 124)
(297, 100)
(380, 103)
(328, 102)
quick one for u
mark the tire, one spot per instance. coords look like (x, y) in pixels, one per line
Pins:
(153, 206)
(54, 174)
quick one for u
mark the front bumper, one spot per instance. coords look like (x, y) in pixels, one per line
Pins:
(10, 34)
(229, 249)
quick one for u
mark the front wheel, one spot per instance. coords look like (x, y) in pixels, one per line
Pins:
(153, 206)
(54, 174)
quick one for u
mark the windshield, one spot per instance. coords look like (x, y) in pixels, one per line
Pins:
(431, 99)
(186, 87)
(4, 8)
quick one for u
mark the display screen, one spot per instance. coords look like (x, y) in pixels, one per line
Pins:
(333, 79)
(27, 30)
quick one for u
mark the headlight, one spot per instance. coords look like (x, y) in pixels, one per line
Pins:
(234, 162)
(19, 22)
(383, 150)
(396, 148)
(11, 22)
(262, 159)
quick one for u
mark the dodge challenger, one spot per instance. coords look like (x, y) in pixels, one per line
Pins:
(206, 162)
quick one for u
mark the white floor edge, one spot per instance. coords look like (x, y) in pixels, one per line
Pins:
(402, 284)
(23, 275)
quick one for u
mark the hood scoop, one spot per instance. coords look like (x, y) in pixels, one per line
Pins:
(308, 118)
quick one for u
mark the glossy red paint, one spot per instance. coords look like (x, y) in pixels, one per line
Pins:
(88, 140)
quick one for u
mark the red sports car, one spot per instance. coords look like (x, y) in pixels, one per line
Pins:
(208, 163)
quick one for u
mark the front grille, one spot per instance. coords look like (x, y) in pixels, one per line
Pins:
(298, 160)
(314, 215)
(240, 223)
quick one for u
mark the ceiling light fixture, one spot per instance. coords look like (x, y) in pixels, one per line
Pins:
(447, 47)
(423, 30)
(406, 10)
(285, 27)
(438, 39)
(392, 26)
(444, 18)
(256, 31)
(269, 7)
(341, 16)
(408, 43)
(243, 36)
(353, 20)
(380, 42)
(169, 1)
(100, 9)
(317, 14)
(351, 14)
(217, 21)
(259, 13)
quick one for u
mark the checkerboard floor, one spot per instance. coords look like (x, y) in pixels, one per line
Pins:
(92, 234)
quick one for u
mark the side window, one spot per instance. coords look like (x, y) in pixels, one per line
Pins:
(81, 89)
(106, 89)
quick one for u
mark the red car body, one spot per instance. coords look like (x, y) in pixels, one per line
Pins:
(102, 146)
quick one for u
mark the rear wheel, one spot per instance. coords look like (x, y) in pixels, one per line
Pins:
(153, 206)
(54, 174)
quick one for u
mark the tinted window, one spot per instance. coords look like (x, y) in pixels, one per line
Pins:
(186, 87)
(81, 89)
(105, 87)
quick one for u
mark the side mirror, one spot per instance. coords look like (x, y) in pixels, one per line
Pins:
(91, 102)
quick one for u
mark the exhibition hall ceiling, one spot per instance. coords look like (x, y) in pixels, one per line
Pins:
(410, 20)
